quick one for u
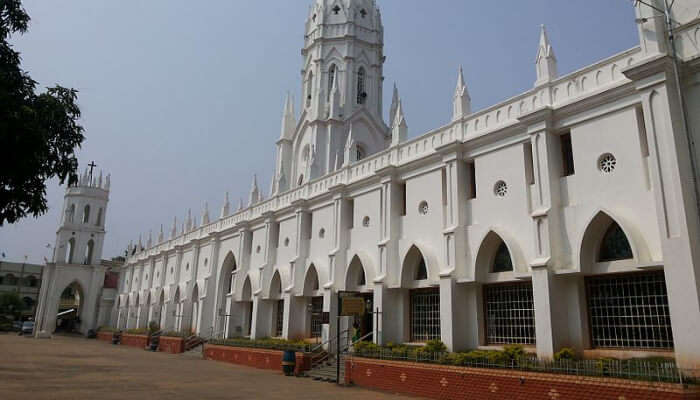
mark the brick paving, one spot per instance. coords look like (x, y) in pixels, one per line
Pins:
(75, 368)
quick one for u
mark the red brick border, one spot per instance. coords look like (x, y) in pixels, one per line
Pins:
(451, 382)
(257, 358)
(173, 345)
(105, 336)
(140, 341)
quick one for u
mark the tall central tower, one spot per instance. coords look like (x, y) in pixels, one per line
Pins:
(342, 82)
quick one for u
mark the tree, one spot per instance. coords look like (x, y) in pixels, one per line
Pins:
(38, 132)
(10, 302)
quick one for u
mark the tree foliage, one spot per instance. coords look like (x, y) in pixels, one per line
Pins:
(10, 303)
(39, 132)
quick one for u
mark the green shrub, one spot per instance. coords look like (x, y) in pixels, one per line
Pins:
(176, 334)
(434, 346)
(137, 331)
(565, 353)
(106, 329)
(366, 348)
(514, 352)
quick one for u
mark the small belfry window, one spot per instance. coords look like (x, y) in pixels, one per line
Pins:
(309, 88)
(363, 13)
(614, 245)
(331, 79)
(502, 262)
(86, 214)
(336, 9)
(361, 94)
(359, 152)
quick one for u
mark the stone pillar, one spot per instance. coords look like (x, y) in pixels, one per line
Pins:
(262, 313)
(295, 317)
(674, 186)
(545, 213)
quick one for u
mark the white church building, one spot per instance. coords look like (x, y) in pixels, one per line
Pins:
(566, 216)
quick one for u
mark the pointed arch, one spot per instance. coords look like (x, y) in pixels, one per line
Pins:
(416, 269)
(607, 239)
(311, 281)
(247, 290)
(275, 288)
(227, 273)
(356, 276)
(496, 254)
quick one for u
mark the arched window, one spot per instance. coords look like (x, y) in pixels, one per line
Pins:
(615, 245)
(421, 271)
(86, 214)
(70, 250)
(361, 94)
(309, 88)
(71, 213)
(88, 252)
(502, 262)
(99, 217)
(301, 180)
(331, 79)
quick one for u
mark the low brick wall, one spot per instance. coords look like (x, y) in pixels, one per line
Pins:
(174, 345)
(106, 336)
(256, 358)
(451, 382)
(140, 341)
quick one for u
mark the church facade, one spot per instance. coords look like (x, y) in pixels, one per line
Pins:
(566, 216)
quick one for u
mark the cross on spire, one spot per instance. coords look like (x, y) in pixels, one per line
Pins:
(91, 165)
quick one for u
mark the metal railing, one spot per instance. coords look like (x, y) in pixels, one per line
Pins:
(642, 370)
(327, 355)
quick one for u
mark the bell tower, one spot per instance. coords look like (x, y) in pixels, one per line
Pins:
(342, 79)
(76, 266)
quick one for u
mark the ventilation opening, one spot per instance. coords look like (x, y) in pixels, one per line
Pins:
(471, 190)
(567, 154)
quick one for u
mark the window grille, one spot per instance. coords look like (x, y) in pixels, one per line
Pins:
(425, 314)
(629, 311)
(316, 316)
(280, 318)
(510, 313)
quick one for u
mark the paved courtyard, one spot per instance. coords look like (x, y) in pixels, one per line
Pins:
(77, 368)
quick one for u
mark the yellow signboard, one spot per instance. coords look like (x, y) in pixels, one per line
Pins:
(352, 306)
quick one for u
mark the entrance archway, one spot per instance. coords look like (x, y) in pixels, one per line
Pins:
(70, 306)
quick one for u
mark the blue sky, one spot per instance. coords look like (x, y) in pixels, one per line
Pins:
(182, 100)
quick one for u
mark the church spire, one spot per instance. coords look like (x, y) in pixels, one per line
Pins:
(335, 109)
(462, 103)
(546, 61)
(226, 208)
(205, 214)
(254, 192)
(394, 104)
(399, 128)
(289, 121)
